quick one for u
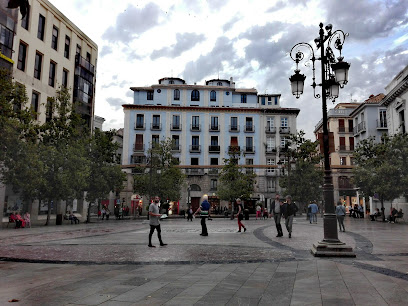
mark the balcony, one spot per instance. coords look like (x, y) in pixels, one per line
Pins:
(195, 127)
(140, 126)
(214, 149)
(361, 127)
(80, 61)
(176, 148)
(213, 171)
(249, 150)
(271, 172)
(233, 149)
(271, 189)
(270, 150)
(342, 129)
(345, 185)
(381, 125)
(155, 126)
(343, 148)
(234, 128)
(138, 147)
(138, 159)
(195, 149)
(195, 171)
(284, 130)
(355, 131)
(214, 128)
(249, 128)
(270, 130)
(175, 127)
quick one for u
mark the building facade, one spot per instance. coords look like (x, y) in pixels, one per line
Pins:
(49, 51)
(341, 126)
(8, 25)
(204, 123)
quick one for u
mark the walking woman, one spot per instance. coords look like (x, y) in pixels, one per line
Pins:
(240, 215)
(340, 213)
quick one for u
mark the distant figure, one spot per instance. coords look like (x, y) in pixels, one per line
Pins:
(340, 213)
(27, 219)
(313, 212)
(289, 210)
(375, 215)
(73, 218)
(190, 214)
(103, 211)
(204, 211)
(240, 215)
(258, 212)
(275, 210)
(265, 213)
(154, 222)
(392, 216)
(107, 211)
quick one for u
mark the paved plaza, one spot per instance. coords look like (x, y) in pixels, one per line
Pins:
(109, 263)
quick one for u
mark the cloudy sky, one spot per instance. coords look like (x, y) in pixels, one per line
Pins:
(142, 41)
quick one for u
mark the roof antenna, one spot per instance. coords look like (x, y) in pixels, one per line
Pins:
(172, 73)
(218, 74)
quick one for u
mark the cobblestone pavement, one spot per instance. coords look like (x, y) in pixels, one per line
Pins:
(109, 263)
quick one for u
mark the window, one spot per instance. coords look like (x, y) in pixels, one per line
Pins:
(351, 141)
(37, 66)
(175, 142)
(343, 160)
(352, 161)
(22, 55)
(195, 123)
(195, 95)
(249, 162)
(234, 123)
(25, 21)
(150, 95)
(276, 100)
(249, 124)
(341, 126)
(35, 100)
(41, 27)
(262, 100)
(78, 49)
(383, 118)
(176, 122)
(51, 79)
(270, 162)
(350, 129)
(269, 99)
(213, 95)
(155, 140)
(402, 121)
(270, 184)
(342, 141)
(284, 122)
(270, 144)
(156, 122)
(214, 123)
(54, 41)
(213, 185)
(284, 141)
(171, 82)
(243, 98)
(214, 161)
(139, 121)
(64, 77)
(270, 123)
(139, 142)
(176, 94)
(219, 83)
(67, 46)
(195, 143)
(249, 144)
(88, 57)
(214, 140)
(48, 110)
(194, 162)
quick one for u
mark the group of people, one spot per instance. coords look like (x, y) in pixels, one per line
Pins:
(104, 212)
(261, 212)
(356, 211)
(20, 222)
(395, 214)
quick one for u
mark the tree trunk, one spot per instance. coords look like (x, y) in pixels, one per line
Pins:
(382, 209)
(48, 213)
(232, 210)
(88, 215)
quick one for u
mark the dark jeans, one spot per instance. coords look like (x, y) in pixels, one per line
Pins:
(158, 229)
(203, 227)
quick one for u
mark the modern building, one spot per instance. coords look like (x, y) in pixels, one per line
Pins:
(48, 51)
(370, 119)
(205, 122)
(341, 127)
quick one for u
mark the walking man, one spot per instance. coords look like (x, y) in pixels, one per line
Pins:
(240, 215)
(289, 209)
(204, 211)
(276, 211)
(155, 221)
(340, 213)
(313, 212)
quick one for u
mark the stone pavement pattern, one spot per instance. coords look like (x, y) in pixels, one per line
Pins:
(110, 264)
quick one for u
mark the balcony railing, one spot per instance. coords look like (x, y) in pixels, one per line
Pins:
(195, 149)
(284, 130)
(195, 171)
(138, 147)
(271, 172)
(234, 128)
(214, 149)
(249, 128)
(79, 60)
(270, 150)
(342, 129)
(344, 148)
(270, 189)
(175, 148)
(155, 126)
(345, 185)
(270, 130)
(381, 124)
(135, 159)
(195, 127)
(175, 127)
(250, 150)
(234, 148)
(140, 126)
(213, 171)
(214, 128)
(361, 127)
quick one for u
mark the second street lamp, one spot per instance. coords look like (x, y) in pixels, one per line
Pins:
(334, 74)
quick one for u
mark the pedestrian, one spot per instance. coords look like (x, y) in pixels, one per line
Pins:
(265, 213)
(289, 209)
(190, 214)
(340, 213)
(275, 210)
(240, 215)
(313, 212)
(258, 212)
(361, 211)
(107, 211)
(103, 212)
(99, 214)
(155, 221)
(204, 211)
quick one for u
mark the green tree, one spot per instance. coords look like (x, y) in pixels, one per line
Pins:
(105, 175)
(235, 181)
(304, 178)
(380, 168)
(160, 176)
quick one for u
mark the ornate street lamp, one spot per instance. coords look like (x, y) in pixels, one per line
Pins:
(334, 75)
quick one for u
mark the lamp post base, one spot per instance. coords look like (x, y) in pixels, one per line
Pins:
(332, 249)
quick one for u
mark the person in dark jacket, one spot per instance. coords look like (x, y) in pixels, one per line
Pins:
(289, 208)
(240, 215)
(204, 211)
(275, 210)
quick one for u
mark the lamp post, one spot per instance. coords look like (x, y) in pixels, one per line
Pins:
(334, 75)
